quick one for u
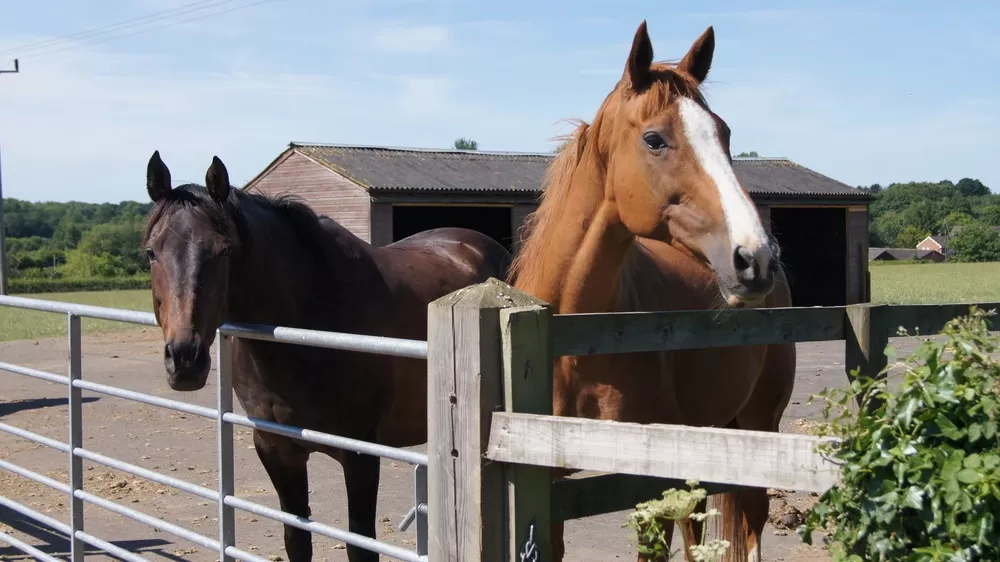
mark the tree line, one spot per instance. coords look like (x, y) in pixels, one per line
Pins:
(903, 214)
(51, 240)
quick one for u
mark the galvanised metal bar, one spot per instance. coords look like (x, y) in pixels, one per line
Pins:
(157, 523)
(84, 310)
(63, 528)
(193, 489)
(77, 550)
(114, 550)
(41, 439)
(331, 340)
(33, 373)
(37, 516)
(147, 399)
(420, 501)
(346, 443)
(325, 530)
(225, 417)
(224, 447)
(154, 522)
(28, 549)
(32, 475)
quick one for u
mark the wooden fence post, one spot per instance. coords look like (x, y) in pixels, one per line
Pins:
(466, 499)
(866, 335)
(527, 383)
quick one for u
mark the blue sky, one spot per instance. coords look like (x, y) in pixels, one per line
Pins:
(862, 91)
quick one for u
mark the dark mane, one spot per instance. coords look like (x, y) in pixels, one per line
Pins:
(229, 218)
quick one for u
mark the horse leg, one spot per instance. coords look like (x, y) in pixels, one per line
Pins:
(745, 511)
(285, 464)
(361, 474)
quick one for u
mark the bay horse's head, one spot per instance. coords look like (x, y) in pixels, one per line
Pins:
(670, 174)
(190, 235)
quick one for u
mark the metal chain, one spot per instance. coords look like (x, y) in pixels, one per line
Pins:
(529, 552)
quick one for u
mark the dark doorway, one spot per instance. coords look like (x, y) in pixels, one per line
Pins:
(814, 252)
(491, 221)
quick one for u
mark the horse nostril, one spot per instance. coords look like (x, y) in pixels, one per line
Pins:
(743, 258)
(182, 354)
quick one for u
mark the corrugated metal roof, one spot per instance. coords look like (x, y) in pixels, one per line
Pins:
(412, 169)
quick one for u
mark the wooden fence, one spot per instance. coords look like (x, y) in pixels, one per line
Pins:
(492, 440)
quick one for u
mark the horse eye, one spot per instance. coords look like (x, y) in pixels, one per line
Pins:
(150, 254)
(226, 251)
(654, 141)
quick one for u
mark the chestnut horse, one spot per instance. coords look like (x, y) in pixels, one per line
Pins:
(642, 211)
(219, 254)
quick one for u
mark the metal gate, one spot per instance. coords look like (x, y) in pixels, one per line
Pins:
(223, 495)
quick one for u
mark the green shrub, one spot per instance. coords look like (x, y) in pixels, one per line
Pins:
(920, 469)
(73, 284)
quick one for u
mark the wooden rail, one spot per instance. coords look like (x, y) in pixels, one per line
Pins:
(492, 440)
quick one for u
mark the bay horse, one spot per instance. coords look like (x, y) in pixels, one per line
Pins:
(219, 254)
(642, 211)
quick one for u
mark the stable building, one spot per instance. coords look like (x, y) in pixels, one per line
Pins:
(386, 194)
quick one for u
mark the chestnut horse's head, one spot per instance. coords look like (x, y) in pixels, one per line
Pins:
(669, 171)
(190, 235)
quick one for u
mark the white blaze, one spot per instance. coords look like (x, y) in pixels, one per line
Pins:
(739, 212)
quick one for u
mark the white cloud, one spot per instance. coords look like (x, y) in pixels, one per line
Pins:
(83, 123)
(413, 39)
(425, 96)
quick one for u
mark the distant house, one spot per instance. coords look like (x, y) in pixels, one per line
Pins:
(939, 243)
(904, 254)
(934, 244)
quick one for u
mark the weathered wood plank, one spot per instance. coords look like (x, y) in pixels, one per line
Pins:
(928, 319)
(628, 332)
(724, 456)
(867, 334)
(527, 389)
(466, 492)
(576, 498)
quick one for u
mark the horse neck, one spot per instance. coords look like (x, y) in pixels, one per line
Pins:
(277, 279)
(584, 249)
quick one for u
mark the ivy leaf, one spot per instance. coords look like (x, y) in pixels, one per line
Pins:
(968, 476)
(914, 498)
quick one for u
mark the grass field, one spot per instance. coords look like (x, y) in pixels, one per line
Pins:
(893, 284)
(935, 283)
(18, 324)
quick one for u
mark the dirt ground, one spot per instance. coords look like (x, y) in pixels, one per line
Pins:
(184, 446)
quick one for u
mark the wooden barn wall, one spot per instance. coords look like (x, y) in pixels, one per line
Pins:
(858, 289)
(326, 192)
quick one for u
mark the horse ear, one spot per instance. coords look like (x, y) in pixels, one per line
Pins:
(157, 178)
(637, 69)
(698, 60)
(217, 180)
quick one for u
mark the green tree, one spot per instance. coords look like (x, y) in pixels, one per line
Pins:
(120, 241)
(972, 188)
(976, 242)
(989, 214)
(957, 218)
(466, 144)
(910, 236)
(751, 154)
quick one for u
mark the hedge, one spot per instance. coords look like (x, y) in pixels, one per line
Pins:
(72, 284)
